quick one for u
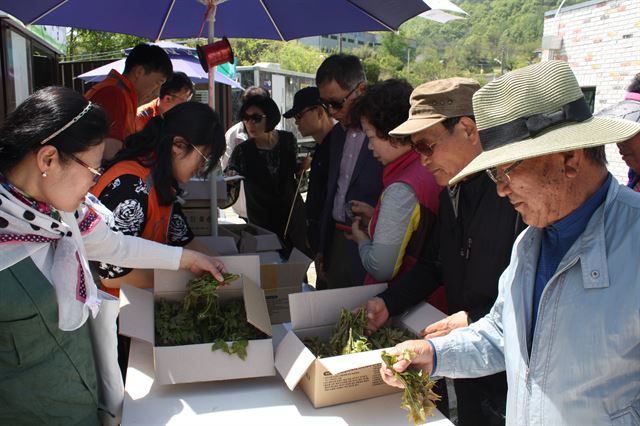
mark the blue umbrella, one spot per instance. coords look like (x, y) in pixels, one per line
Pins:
(191, 67)
(266, 19)
(182, 58)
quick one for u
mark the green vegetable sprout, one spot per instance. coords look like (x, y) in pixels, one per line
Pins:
(418, 397)
(200, 318)
(349, 336)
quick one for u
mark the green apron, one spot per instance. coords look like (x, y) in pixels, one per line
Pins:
(47, 376)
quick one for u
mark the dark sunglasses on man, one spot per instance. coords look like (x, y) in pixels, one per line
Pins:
(301, 114)
(423, 148)
(339, 104)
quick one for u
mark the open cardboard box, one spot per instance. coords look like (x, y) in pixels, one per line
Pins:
(252, 238)
(197, 206)
(200, 189)
(344, 378)
(222, 245)
(197, 362)
(279, 279)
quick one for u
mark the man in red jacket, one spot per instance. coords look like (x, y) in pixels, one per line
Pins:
(146, 69)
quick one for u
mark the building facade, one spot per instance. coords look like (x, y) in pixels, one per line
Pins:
(331, 42)
(600, 40)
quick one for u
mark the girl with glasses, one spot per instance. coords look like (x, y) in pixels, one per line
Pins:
(141, 183)
(50, 150)
(268, 162)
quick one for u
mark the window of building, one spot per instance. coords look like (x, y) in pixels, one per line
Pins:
(590, 95)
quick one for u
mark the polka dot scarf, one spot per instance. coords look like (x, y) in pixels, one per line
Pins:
(27, 226)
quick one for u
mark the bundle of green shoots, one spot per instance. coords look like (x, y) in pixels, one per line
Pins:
(349, 336)
(418, 397)
(200, 318)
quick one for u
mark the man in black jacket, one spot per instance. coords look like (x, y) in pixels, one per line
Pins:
(354, 174)
(312, 119)
(472, 239)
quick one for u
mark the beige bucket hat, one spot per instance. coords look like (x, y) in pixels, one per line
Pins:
(435, 101)
(535, 111)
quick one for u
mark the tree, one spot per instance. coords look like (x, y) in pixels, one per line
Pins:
(85, 42)
(394, 45)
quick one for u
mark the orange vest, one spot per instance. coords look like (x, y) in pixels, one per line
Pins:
(157, 216)
(109, 101)
(146, 112)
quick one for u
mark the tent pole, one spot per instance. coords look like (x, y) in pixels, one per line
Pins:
(212, 103)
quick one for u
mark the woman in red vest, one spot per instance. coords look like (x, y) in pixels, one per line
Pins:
(399, 225)
(140, 185)
(398, 228)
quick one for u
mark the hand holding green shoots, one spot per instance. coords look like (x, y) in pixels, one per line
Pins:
(199, 263)
(418, 397)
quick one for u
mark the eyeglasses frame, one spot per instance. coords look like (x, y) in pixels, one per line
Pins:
(96, 172)
(427, 151)
(336, 105)
(206, 159)
(252, 118)
(504, 177)
(301, 114)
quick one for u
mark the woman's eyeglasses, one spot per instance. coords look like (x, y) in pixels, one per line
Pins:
(207, 160)
(96, 172)
(254, 118)
(502, 176)
(339, 104)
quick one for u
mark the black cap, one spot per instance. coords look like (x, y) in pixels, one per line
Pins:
(304, 98)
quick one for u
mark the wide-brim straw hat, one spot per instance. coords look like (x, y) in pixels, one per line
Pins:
(535, 111)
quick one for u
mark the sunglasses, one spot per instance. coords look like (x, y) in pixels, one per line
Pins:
(339, 104)
(96, 172)
(424, 148)
(498, 176)
(301, 114)
(254, 118)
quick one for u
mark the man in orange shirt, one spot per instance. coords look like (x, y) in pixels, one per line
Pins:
(175, 91)
(147, 67)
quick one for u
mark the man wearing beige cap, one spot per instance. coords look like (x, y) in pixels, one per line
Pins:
(472, 239)
(566, 324)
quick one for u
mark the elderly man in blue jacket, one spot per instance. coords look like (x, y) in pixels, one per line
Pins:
(566, 323)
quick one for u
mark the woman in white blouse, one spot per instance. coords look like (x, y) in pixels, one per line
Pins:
(50, 150)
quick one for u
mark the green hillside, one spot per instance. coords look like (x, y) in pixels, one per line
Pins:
(497, 35)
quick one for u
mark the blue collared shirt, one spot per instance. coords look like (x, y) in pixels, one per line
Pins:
(556, 241)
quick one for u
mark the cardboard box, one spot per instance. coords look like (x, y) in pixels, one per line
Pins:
(223, 245)
(253, 238)
(344, 378)
(197, 362)
(279, 279)
(198, 215)
(197, 206)
(200, 189)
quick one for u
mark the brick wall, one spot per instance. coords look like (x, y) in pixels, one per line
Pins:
(601, 43)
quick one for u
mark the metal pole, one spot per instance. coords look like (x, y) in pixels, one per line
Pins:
(213, 184)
